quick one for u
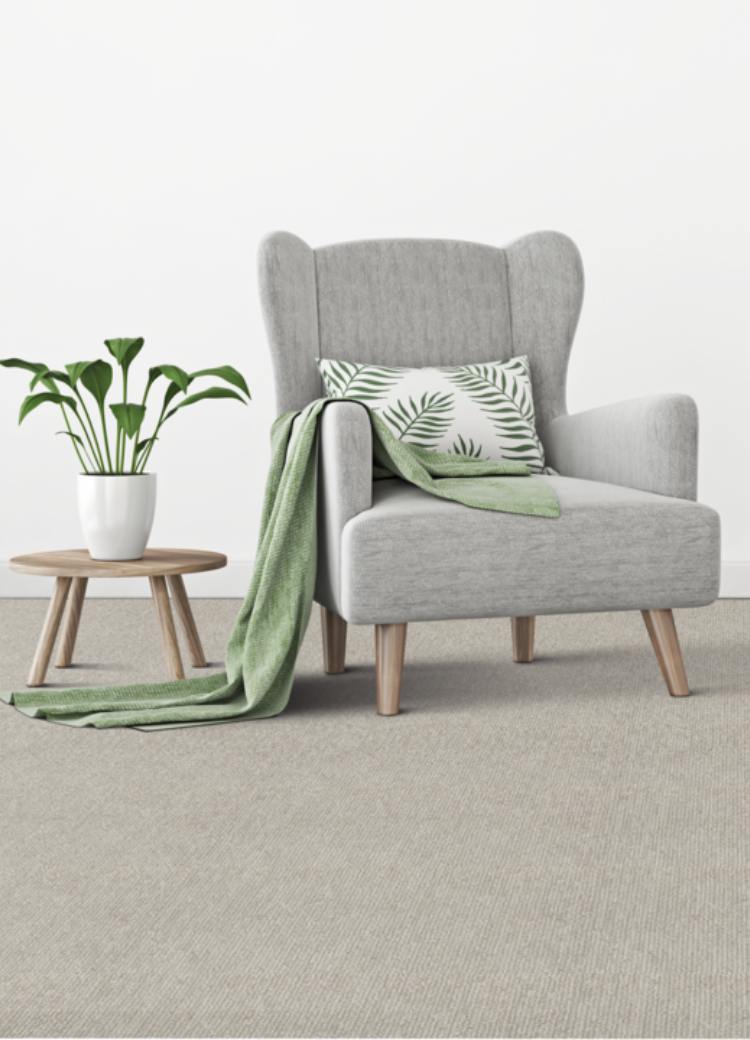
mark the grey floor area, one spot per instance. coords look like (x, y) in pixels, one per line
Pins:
(556, 849)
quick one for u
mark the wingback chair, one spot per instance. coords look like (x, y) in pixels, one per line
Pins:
(630, 534)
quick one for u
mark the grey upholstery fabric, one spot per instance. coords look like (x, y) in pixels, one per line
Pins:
(286, 273)
(649, 443)
(345, 486)
(416, 302)
(545, 283)
(403, 555)
(413, 557)
(413, 303)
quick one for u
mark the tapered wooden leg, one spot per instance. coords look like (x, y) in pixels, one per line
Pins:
(333, 628)
(661, 628)
(185, 614)
(522, 631)
(72, 619)
(390, 642)
(49, 632)
(166, 621)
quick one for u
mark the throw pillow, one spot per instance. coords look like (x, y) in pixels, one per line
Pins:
(484, 410)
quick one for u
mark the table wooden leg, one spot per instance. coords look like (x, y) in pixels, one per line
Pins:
(185, 614)
(49, 632)
(169, 636)
(72, 619)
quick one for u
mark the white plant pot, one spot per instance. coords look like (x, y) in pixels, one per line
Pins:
(116, 514)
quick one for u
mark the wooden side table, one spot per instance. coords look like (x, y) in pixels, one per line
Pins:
(72, 569)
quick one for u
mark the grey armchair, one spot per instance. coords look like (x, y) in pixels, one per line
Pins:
(631, 535)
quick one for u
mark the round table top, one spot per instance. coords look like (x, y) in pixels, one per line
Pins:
(76, 563)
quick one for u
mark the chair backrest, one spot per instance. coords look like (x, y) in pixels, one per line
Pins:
(416, 302)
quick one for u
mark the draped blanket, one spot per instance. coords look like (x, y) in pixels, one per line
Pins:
(271, 624)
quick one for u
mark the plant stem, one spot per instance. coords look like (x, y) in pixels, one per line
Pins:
(150, 448)
(134, 456)
(106, 437)
(92, 439)
(147, 451)
(91, 459)
(75, 445)
(121, 438)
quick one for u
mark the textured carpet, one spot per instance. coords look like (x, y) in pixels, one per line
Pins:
(556, 849)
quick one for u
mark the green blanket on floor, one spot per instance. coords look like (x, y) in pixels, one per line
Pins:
(263, 646)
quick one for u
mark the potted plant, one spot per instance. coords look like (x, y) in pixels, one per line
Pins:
(113, 444)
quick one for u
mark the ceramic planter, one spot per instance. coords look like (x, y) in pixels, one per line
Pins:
(116, 514)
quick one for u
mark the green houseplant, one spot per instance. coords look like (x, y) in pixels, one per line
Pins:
(113, 440)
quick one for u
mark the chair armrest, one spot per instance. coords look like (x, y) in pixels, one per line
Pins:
(344, 488)
(650, 443)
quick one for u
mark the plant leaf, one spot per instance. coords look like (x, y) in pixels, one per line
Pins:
(28, 366)
(49, 378)
(144, 444)
(173, 372)
(39, 369)
(228, 374)
(84, 455)
(129, 417)
(124, 351)
(34, 400)
(172, 391)
(76, 370)
(97, 378)
(202, 395)
(75, 437)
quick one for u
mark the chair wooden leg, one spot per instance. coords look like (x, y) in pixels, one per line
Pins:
(72, 619)
(169, 636)
(185, 614)
(334, 641)
(390, 642)
(49, 632)
(661, 629)
(522, 631)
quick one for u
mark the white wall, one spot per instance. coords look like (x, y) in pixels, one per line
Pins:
(147, 146)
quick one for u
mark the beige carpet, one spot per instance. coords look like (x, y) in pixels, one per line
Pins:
(556, 849)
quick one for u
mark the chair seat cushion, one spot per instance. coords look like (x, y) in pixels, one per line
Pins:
(414, 557)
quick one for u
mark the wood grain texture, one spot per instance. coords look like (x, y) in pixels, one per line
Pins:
(333, 628)
(72, 621)
(390, 643)
(76, 563)
(50, 628)
(663, 632)
(185, 614)
(522, 634)
(166, 621)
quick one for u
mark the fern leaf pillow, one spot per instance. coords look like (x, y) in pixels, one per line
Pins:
(484, 410)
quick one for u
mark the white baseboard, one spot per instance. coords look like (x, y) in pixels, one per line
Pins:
(735, 579)
(232, 582)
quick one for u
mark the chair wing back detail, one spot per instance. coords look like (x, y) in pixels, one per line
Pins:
(415, 302)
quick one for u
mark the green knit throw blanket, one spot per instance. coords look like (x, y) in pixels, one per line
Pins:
(263, 646)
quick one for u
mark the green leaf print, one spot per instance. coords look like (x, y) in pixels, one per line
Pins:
(422, 422)
(469, 448)
(360, 382)
(503, 395)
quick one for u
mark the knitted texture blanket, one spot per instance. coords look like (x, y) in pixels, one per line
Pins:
(271, 624)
